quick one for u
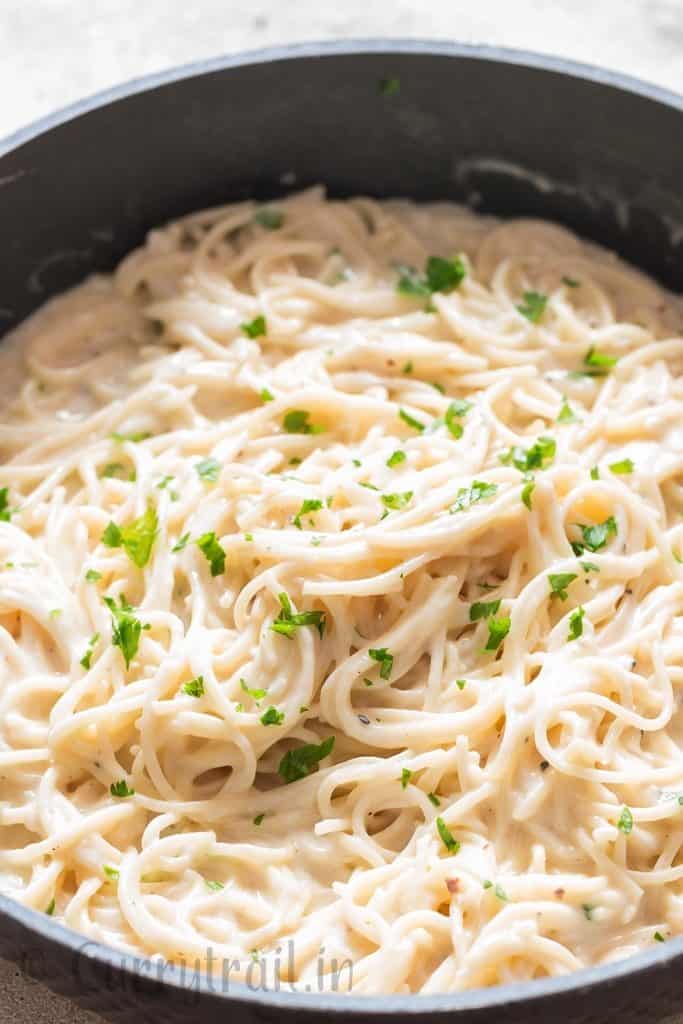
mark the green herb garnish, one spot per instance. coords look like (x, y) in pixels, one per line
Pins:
(498, 630)
(410, 421)
(271, 716)
(389, 86)
(297, 422)
(567, 414)
(625, 823)
(595, 537)
(599, 360)
(396, 501)
(467, 496)
(87, 657)
(213, 552)
(451, 844)
(455, 411)
(559, 582)
(92, 576)
(307, 505)
(126, 629)
(255, 328)
(576, 624)
(622, 468)
(406, 776)
(300, 762)
(269, 218)
(194, 687)
(396, 458)
(288, 622)
(385, 659)
(208, 470)
(533, 306)
(539, 456)
(137, 538)
(483, 609)
(527, 491)
(121, 790)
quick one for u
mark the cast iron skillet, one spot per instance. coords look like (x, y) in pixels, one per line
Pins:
(511, 133)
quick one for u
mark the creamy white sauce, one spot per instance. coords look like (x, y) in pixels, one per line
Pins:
(553, 758)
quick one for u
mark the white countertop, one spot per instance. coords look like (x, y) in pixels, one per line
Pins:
(57, 51)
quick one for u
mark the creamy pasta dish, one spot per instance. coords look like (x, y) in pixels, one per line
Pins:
(341, 599)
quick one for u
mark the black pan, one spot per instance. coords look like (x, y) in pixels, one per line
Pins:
(510, 133)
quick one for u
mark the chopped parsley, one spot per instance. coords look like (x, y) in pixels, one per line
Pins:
(50, 908)
(194, 687)
(433, 799)
(396, 501)
(5, 511)
(269, 218)
(576, 624)
(559, 581)
(410, 421)
(111, 873)
(258, 819)
(461, 683)
(266, 395)
(451, 844)
(114, 469)
(588, 909)
(307, 505)
(126, 629)
(622, 468)
(589, 567)
(658, 937)
(181, 542)
(595, 473)
(164, 482)
(500, 893)
(92, 576)
(527, 491)
(121, 790)
(483, 609)
(208, 470)
(389, 86)
(385, 659)
(213, 886)
(595, 537)
(407, 367)
(271, 716)
(533, 306)
(467, 496)
(134, 437)
(87, 657)
(406, 775)
(599, 360)
(137, 538)
(300, 762)
(625, 823)
(288, 622)
(256, 695)
(498, 630)
(296, 421)
(567, 414)
(213, 552)
(539, 456)
(440, 275)
(571, 282)
(255, 328)
(455, 411)
(396, 458)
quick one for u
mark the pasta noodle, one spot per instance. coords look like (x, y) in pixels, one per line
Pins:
(341, 599)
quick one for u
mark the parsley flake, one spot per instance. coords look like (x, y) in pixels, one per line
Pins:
(121, 790)
(194, 687)
(455, 411)
(396, 458)
(288, 622)
(498, 630)
(389, 86)
(451, 844)
(126, 629)
(385, 659)
(559, 581)
(296, 421)
(599, 360)
(208, 470)
(410, 421)
(406, 776)
(213, 552)
(596, 536)
(137, 538)
(483, 609)
(307, 505)
(622, 468)
(467, 496)
(576, 624)
(271, 716)
(396, 501)
(255, 328)
(567, 414)
(533, 306)
(87, 657)
(269, 218)
(527, 491)
(539, 456)
(300, 762)
(625, 823)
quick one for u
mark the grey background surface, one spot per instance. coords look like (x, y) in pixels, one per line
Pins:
(53, 52)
